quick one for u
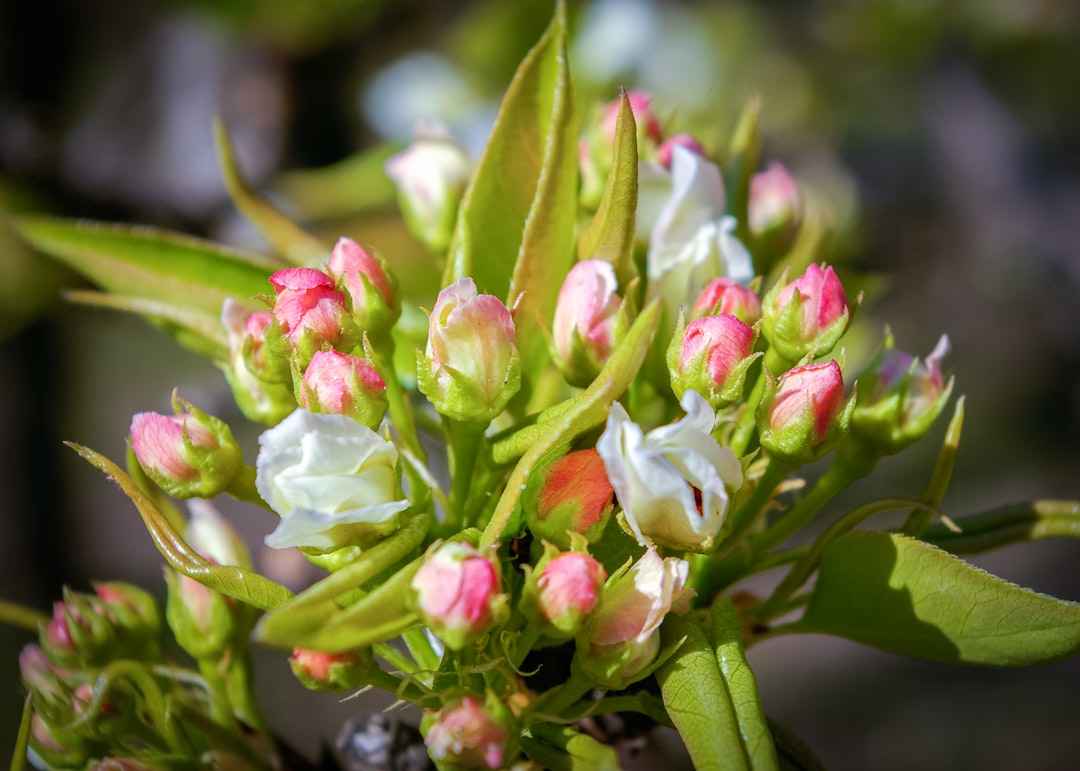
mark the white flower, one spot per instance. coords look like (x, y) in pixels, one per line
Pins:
(692, 241)
(673, 482)
(333, 481)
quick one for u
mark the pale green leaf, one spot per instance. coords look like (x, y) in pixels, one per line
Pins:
(352, 185)
(287, 238)
(151, 264)
(904, 596)
(743, 153)
(234, 581)
(610, 234)
(697, 699)
(561, 748)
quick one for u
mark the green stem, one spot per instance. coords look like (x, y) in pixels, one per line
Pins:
(395, 658)
(401, 415)
(21, 616)
(420, 648)
(401, 688)
(525, 642)
(772, 365)
(554, 702)
(218, 691)
(754, 507)
(239, 685)
(642, 702)
(242, 487)
(465, 441)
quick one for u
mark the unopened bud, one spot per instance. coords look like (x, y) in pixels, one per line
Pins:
(563, 589)
(667, 148)
(775, 210)
(803, 412)
(572, 495)
(334, 672)
(259, 377)
(724, 296)
(341, 384)
(711, 355)
(458, 592)
(806, 316)
(311, 313)
(369, 284)
(471, 734)
(588, 322)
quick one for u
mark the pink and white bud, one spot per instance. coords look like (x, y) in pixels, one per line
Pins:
(470, 367)
(568, 590)
(341, 384)
(806, 316)
(775, 209)
(311, 312)
(622, 637)
(803, 412)
(900, 397)
(458, 592)
(189, 454)
(572, 495)
(258, 374)
(470, 734)
(369, 284)
(724, 296)
(587, 320)
(641, 105)
(711, 355)
(334, 672)
(667, 148)
(431, 175)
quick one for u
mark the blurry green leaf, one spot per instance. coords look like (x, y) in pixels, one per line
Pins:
(904, 596)
(743, 154)
(245, 585)
(22, 738)
(610, 235)
(287, 238)
(539, 443)
(354, 184)
(561, 748)
(1029, 521)
(698, 700)
(198, 331)
(151, 264)
(727, 639)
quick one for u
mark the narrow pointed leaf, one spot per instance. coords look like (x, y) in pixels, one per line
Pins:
(698, 700)
(241, 583)
(934, 493)
(22, 737)
(352, 185)
(743, 154)
(287, 238)
(610, 234)
(742, 686)
(908, 597)
(151, 264)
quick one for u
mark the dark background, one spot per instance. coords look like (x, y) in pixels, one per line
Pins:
(943, 135)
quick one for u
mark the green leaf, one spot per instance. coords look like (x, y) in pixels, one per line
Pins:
(904, 596)
(1029, 521)
(561, 748)
(698, 700)
(743, 154)
(151, 264)
(727, 638)
(934, 493)
(22, 738)
(352, 185)
(524, 185)
(538, 444)
(610, 235)
(792, 751)
(287, 238)
(241, 583)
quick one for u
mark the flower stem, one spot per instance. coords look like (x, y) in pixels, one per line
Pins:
(242, 487)
(771, 365)
(465, 440)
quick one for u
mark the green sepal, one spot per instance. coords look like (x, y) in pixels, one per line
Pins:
(562, 748)
(287, 238)
(610, 234)
(241, 583)
(908, 597)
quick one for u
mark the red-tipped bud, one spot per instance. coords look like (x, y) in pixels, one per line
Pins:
(258, 374)
(775, 209)
(369, 284)
(568, 588)
(311, 312)
(334, 672)
(587, 321)
(806, 316)
(471, 734)
(726, 297)
(189, 454)
(458, 592)
(340, 384)
(667, 148)
(89, 630)
(572, 495)
(804, 412)
(470, 367)
(711, 355)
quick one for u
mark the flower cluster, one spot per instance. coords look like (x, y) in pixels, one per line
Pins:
(539, 484)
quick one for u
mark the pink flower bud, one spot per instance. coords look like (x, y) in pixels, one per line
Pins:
(586, 320)
(900, 397)
(341, 384)
(311, 312)
(468, 734)
(39, 675)
(711, 356)
(458, 593)
(807, 315)
(641, 105)
(569, 589)
(667, 148)
(371, 288)
(335, 672)
(189, 454)
(470, 367)
(258, 372)
(572, 495)
(803, 411)
(726, 297)
(775, 208)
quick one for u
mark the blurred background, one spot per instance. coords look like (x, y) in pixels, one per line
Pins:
(944, 136)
